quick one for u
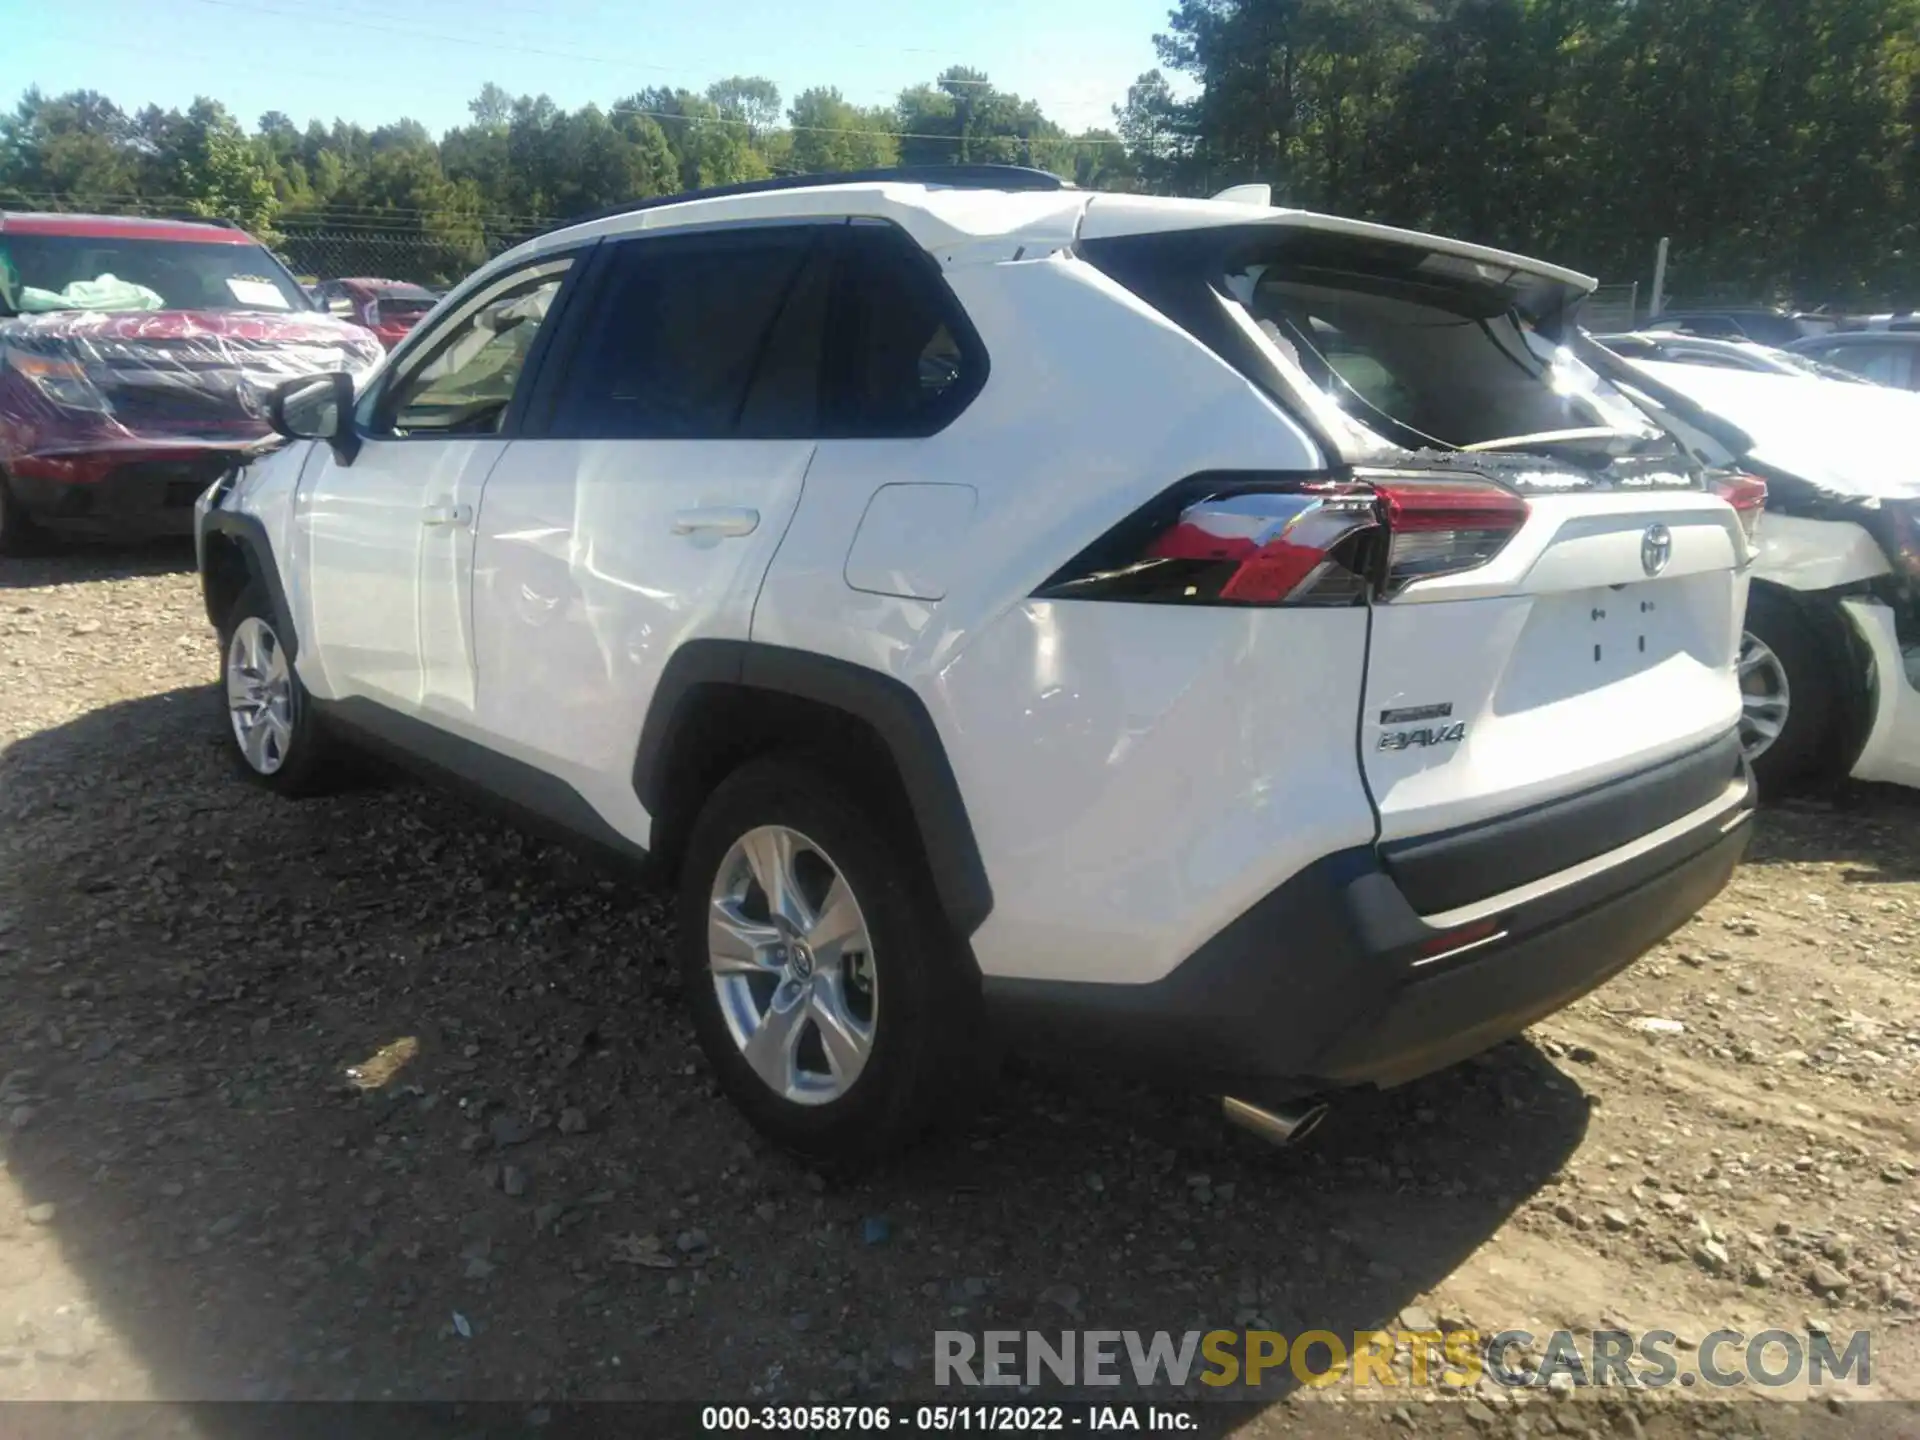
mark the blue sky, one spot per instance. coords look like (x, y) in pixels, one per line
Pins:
(370, 61)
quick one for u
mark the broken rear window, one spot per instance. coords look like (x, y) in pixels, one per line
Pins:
(1419, 354)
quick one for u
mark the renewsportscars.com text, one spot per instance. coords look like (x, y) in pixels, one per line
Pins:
(1454, 1359)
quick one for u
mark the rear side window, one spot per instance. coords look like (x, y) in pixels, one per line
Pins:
(903, 359)
(700, 338)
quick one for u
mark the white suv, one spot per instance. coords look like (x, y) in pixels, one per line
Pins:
(1002, 605)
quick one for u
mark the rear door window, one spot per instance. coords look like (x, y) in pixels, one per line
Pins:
(700, 337)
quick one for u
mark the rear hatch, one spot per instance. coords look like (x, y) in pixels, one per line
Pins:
(1597, 645)
(1556, 594)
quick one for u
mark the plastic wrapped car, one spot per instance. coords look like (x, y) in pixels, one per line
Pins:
(135, 356)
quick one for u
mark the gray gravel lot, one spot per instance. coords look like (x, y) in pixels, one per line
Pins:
(373, 1096)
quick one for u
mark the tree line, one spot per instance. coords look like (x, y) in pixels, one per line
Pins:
(1776, 141)
(520, 165)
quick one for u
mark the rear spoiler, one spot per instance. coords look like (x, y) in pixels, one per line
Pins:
(1544, 292)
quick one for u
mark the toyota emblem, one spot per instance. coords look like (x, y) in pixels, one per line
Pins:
(1656, 549)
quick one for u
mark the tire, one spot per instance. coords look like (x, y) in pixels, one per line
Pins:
(899, 999)
(282, 746)
(1788, 685)
(18, 534)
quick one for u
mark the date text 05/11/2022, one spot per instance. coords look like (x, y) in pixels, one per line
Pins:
(922, 1419)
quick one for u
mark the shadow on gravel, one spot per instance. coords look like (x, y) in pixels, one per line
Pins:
(538, 1195)
(1872, 829)
(80, 562)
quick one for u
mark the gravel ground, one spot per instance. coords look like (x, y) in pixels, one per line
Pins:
(375, 1097)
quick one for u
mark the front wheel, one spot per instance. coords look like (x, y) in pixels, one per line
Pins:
(277, 738)
(1789, 696)
(18, 534)
(826, 985)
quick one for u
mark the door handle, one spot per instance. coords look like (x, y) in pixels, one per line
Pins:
(447, 514)
(717, 520)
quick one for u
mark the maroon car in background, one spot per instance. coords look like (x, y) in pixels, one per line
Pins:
(389, 308)
(135, 357)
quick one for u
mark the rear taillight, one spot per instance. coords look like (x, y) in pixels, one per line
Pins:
(1253, 541)
(1747, 494)
(1440, 527)
(1263, 548)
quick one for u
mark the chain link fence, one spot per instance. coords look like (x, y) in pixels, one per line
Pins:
(388, 254)
(1612, 308)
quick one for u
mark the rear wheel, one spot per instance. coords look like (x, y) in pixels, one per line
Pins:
(1789, 695)
(277, 738)
(825, 982)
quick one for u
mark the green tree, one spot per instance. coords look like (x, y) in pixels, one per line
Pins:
(74, 150)
(830, 135)
(204, 163)
(962, 119)
(1157, 131)
(749, 99)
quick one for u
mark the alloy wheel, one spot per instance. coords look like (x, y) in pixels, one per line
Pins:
(1764, 696)
(260, 695)
(792, 965)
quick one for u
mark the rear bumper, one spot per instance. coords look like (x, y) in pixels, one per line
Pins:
(143, 495)
(1323, 983)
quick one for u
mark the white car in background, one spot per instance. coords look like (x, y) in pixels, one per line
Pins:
(1830, 664)
(1678, 348)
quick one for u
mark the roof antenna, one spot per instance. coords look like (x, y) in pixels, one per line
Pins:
(1260, 196)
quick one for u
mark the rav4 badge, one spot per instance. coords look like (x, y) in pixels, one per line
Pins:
(1431, 735)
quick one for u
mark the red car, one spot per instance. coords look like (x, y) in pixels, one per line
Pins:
(389, 308)
(135, 356)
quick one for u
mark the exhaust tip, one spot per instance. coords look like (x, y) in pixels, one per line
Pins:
(1279, 1125)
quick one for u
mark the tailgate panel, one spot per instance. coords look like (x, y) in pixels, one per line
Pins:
(1559, 667)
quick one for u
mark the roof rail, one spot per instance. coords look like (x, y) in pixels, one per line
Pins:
(964, 177)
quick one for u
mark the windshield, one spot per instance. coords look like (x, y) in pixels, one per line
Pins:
(45, 273)
(403, 309)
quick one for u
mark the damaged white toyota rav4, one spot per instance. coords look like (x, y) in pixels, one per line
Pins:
(1240, 644)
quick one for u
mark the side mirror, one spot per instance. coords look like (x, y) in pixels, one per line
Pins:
(316, 407)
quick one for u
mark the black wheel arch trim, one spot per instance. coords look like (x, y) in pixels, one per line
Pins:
(886, 705)
(250, 536)
(1848, 661)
